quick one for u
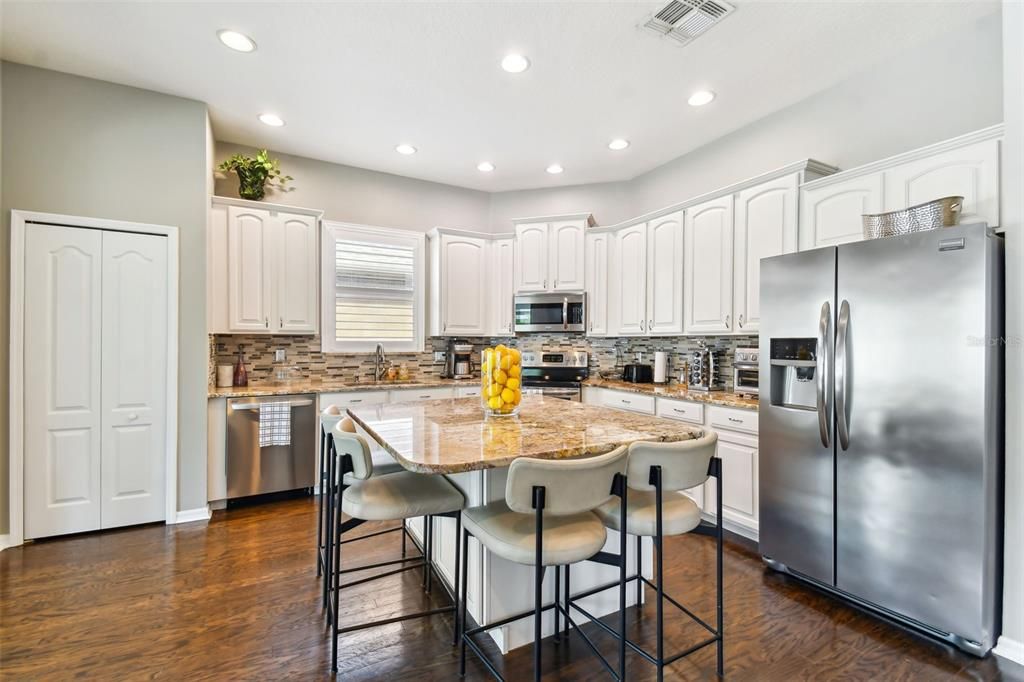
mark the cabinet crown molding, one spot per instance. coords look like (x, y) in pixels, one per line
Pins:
(457, 232)
(804, 165)
(266, 206)
(992, 132)
(589, 217)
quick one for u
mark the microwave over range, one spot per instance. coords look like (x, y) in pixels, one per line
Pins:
(550, 313)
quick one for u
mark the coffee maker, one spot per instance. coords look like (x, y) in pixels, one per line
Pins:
(458, 360)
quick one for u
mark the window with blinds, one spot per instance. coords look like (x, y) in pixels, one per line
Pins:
(373, 289)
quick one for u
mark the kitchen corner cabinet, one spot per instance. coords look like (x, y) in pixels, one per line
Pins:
(459, 284)
(708, 267)
(262, 268)
(549, 253)
(596, 268)
(499, 285)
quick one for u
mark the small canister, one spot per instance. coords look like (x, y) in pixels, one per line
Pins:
(225, 375)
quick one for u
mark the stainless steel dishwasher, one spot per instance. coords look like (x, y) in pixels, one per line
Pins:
(255, 470)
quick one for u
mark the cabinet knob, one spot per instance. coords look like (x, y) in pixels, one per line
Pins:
(266, 322)
(650, 324)
(740, 320)
(727, 320)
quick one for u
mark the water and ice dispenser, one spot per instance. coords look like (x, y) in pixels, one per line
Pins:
(794, 366)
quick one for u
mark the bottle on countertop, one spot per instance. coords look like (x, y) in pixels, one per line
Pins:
(241, 377)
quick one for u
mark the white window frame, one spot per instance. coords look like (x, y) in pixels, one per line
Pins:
(331, 231)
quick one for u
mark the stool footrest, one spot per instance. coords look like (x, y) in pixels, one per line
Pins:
(396, 619)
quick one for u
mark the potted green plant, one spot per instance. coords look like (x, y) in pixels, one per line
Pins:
(254, 173)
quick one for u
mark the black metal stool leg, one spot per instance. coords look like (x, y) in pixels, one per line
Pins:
(455, 587)
(639, 571)
(329, 529)
(659, 565)
(568, 600)
(538, 579)
(320, 509)
(462, 601)
(334, 577)
(555, 612)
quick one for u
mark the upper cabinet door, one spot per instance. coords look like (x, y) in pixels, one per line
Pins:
(565, 246)
(766, 225)
(708, 292)
(249, 277)
(596, 251)
(630, 281)
(665, 275)
(296, 249)
(463, 286)
(831, 215)
(531, 257)
(971, 172)
(500, 283)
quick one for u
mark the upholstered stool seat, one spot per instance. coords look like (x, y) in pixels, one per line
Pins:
(401, 495)
(679, 513)
(513, 535)
(383, 463)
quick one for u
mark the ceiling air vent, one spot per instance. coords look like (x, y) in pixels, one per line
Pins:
(684, 20)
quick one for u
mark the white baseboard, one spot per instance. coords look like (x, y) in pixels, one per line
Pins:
(191, 515)
(1010, 649)
(7, 541)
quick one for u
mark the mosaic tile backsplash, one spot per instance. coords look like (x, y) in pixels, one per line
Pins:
(304, 359)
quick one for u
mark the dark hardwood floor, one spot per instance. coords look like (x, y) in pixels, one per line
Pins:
(238, 598)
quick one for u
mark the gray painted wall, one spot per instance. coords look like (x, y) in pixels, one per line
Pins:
(79, 146)
(368, 197)
(610, 202)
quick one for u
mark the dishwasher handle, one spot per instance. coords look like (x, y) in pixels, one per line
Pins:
(256, 405)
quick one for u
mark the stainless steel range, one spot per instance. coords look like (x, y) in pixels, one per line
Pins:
(556, 375)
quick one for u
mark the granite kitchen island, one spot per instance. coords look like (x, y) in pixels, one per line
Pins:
(453, 438)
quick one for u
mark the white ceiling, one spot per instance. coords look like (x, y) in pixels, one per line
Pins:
(352, 80)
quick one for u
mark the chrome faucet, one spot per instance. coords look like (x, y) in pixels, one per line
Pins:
(379, 363)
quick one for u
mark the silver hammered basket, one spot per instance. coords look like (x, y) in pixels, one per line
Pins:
(944, 212)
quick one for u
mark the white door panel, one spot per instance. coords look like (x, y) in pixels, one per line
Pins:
(62, 401)
(708, 250)
(596, 251)
(566, 269)
(134, 378)
(296, 248)
(831, 215)
(665, 275)
(248, 273)
(631, 279)
(464, 289)
(531, 257)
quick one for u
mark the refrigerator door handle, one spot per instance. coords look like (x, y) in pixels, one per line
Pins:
(842, 375)
(824, 344)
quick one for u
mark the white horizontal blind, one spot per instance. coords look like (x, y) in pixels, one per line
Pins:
(375, 280)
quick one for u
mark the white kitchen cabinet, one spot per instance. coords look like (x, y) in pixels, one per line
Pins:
(499, 283)
(708, 267)
(831, 214)
(471, 391)
(623, 400)
(531, 257)
(549, 253)
(665, 275)
(458, 300)
(596, 268)
(411, 395)
(738, 453)
(766, 224)
(629, 283)
(971, 171)
(262, 268)
(566, 247)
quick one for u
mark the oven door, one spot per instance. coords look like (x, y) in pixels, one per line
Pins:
(550, 313)
(745, 379)
(562, 390)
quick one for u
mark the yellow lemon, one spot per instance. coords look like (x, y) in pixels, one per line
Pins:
(508, 395)
(500, 348)
(515, 371)
(493, 390)
(515, 355)
(494, 403)
(500, 376)
(512, 383)
(505, 362)
(519, 397)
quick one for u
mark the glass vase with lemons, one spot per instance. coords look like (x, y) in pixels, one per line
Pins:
(501, 370)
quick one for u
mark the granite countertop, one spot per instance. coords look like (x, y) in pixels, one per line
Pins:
(453, 436)
(676, 391)
(332, 386)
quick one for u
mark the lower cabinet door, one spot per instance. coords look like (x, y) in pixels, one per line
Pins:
(739, 480)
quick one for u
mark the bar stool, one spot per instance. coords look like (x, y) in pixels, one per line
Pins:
(383, 463)
(547, 519)
(656, 474)
(395, 496)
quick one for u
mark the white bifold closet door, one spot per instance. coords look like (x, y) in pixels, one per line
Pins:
(95, 379)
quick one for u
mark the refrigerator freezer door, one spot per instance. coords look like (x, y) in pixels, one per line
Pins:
(917, 480)
(795, 439)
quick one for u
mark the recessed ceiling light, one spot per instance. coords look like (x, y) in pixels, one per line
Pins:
(515, 63)
(485, 166)
(555, 169)
(618, 144)
(700, 98)
(405, 149)
(236, 41)
(272, 120)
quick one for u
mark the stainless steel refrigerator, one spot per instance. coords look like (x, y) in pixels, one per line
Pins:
(881, 426)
